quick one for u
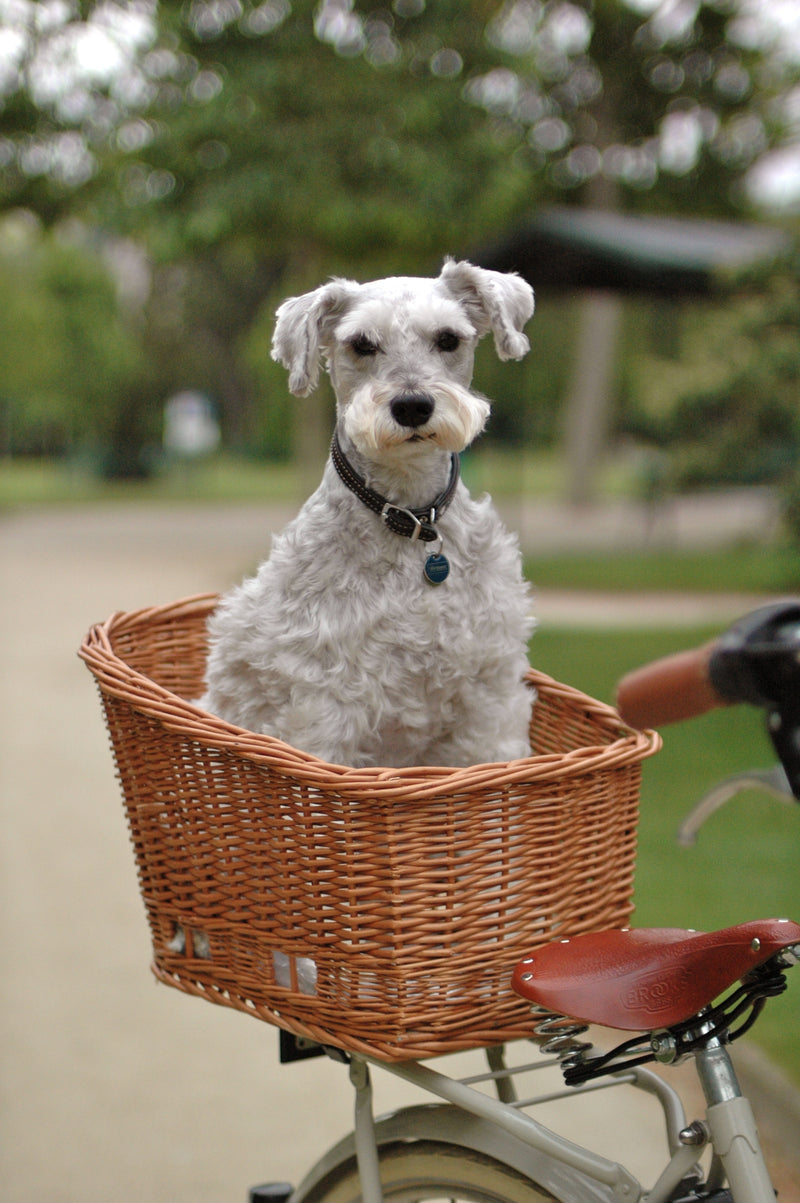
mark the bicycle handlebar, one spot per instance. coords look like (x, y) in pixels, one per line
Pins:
(757, 660)
(669, 690)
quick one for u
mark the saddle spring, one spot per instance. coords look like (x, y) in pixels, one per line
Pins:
(558, 1037)
(559, 1033)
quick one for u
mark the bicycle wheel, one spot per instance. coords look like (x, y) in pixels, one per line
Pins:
(431, 1170)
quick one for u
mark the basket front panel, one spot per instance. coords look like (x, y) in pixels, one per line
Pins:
(361, 917)
(364, 921)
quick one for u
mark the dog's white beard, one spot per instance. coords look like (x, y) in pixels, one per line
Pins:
(459, 416)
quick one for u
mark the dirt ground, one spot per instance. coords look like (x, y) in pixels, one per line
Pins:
(115, 1089)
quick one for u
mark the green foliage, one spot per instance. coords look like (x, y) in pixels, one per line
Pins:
(238, 114)
(286, 143)
(255, 148)
(66, 351)
(750, 406)
(725, 405)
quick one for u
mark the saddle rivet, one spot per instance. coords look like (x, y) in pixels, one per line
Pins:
(755, 944)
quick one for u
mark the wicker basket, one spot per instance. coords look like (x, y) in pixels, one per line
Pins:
(380, 910)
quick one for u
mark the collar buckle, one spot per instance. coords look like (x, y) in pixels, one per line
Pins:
(421, 527)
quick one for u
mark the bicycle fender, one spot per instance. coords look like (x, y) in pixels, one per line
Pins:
(450, 1125)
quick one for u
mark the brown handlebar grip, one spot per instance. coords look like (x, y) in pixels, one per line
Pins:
(668, 690)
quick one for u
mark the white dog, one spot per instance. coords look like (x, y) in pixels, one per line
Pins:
(390, 624)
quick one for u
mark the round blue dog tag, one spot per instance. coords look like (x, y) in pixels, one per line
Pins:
(437, 568)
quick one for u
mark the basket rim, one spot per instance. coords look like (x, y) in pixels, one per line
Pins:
(118, 679)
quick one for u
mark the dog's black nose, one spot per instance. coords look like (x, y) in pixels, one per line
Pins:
(412, 409)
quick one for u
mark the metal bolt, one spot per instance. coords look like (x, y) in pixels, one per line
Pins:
(695, 1135)
(755, 944)
(664, 1047)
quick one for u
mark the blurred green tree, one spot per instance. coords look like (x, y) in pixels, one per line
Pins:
(726, 409)
(230, 116)
(255, 146)
(66, 352)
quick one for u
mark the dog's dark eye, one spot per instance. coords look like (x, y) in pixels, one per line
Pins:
(363, 345)
(446, 340)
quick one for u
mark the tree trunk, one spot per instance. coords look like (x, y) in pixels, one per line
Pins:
(589, 401)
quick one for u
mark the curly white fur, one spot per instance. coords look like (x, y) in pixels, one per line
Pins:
(338, 645)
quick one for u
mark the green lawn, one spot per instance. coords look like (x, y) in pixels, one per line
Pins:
(223, 478)
(744, 865)
(749, 568)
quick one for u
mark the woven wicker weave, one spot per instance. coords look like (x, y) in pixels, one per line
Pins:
(380, 910)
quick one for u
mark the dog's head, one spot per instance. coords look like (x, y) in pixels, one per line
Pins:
(400, 351)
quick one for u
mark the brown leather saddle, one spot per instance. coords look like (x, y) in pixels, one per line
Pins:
(641, 979)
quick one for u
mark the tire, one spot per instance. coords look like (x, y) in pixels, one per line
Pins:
(430, 1170)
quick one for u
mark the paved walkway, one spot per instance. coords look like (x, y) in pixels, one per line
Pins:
(113, 1089)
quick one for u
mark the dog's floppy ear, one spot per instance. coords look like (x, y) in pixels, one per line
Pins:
(498, 301)
(301, 331)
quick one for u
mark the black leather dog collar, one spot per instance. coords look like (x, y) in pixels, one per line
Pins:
(412, 524)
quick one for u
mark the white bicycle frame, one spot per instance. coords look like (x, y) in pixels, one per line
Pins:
(501, 1128)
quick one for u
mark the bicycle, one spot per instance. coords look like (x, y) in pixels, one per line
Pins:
(684, 994)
